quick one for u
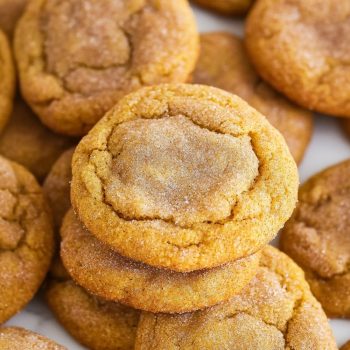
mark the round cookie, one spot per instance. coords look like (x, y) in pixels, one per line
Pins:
(57, 186)
(26, 238)
(346, 346)
(28, 142)
(317, 237)
(106, 274)
(10, 12)
(275, 312)
(300, 47)
(7, 80)
(94, 322)
(77, 58)
(226, 7)
(184, 177)
(14, 338)
(223, 63)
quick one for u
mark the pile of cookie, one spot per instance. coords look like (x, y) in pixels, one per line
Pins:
(149, 202)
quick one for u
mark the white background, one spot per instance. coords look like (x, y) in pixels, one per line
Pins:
(328, 146)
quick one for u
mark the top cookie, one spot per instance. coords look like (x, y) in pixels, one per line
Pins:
(227, 7)
(275, 312)
(184, 177)
(10, 12)
(14, 338)
(317, 237)
(77, 58)
(301, 48)
(223, 63)
(7, 80)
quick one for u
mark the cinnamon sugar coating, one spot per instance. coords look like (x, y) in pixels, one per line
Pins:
(207, 180)
(106, 274)
(300, 47)
(226, 7)
(7, 81)
(10, 12)
(276, 311)
(26, 238)
(77, 58)
(317, 237)
(223, 63)
(15, 338)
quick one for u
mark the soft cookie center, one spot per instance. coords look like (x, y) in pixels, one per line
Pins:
(173, 169)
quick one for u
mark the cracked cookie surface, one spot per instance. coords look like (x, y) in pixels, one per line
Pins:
(26, 141)
(207, 179)
(317, 237)
(106, 274)
(76, 59)
(226, 7)
(15, 338)
(96, 323)
(276, 311)
(10, 12)
(223, 63)
(7, 81)
(26, 238)
(57, 186)
(300, 47)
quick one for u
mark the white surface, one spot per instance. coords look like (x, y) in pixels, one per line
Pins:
(327, 147)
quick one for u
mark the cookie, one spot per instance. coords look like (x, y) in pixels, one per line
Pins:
(27, 141)
(14, 338)
(77, 58)
(184, 177)
(226, 7)
(276, 311)
(106, 274)
(317, 237)
(94, 322)
(223, 63)
(346, 346)
(57, 186)
(300, 47)
(10, 12)
(7, 80)
(346, 126)
(26, 238)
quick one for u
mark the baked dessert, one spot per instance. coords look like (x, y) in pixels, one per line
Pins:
(26, 238)
(300, 47)
(226, 7)
(10, 12)
(77, 58)
(346, 346)
(276, 311)
(317, 237)
(223, 63)
(196, 172)
(105, 273)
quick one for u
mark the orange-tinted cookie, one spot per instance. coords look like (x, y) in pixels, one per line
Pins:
(317, 237)
(184, 177)
(77, 58)
(106, 274)
(26, 238)
(346, 346)
(300, 47)
(10, 12)
(223, 63)
(275, 312)
(346, 126)
(28, 142)
(226, 7)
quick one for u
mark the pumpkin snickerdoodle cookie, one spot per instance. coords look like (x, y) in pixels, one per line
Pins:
(26, 238)
(10, 12)
(106, 274)
(275, 312)
(184, 177)
(14, 338)
(77, 58)
(317, 237)
(26, 141)
(57, 186)
(227, 7)
(223, 63)
(94, 322)
(7, 80)
(346, 126)
(346, 346)
(300, 47)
